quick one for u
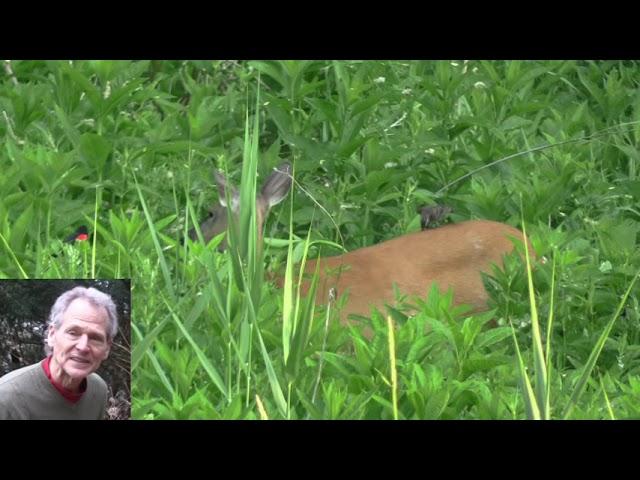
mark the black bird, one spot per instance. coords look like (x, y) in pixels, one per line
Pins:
(80, 235)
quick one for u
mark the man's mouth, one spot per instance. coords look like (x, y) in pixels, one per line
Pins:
(80, 360)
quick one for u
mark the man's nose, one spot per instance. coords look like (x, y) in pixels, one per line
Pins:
(83, 342)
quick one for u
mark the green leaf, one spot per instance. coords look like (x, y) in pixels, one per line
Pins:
(493, 336)
(595, 353)
(93, 94)
(71, 132)
(211, 370)
(121, 96)
(20, 227)
(94, 150)
(272, 69)
(436, 404)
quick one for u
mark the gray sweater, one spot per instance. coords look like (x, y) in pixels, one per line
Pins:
(27, 394)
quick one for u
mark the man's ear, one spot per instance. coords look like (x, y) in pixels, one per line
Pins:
(50, 332)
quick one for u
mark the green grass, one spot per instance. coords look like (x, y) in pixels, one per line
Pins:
(129, 149)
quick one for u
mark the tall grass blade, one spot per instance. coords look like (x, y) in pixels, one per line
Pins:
(595, 353)
(145, 343)
(530, 403)
(95, 232)
(547, 403)
(13, 256)
(156, 243)
(298, 334)
(261, 409)
(155, 363)
(392, 362)
(276, 389)
(606, 399)
(204, 361)
(324, 349)
(538, 352)
(288, 318)
(301, 334)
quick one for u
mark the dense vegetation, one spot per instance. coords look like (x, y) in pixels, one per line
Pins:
(129, 148)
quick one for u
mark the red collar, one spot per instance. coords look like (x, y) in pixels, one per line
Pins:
(67, 394)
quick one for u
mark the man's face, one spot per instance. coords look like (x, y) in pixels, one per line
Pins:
(80, 343)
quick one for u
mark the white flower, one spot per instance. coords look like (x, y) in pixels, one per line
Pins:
(605, 267)
(390, 165)
(379, 80)
(430, 151)
(107, 91)
(406, 91)
(345, 206)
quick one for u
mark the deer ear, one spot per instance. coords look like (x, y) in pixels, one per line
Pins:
(277, 186)
(222, 195)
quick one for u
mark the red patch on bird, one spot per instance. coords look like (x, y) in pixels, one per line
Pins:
(82, 236)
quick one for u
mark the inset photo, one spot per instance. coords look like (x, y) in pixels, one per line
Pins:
(65, 349)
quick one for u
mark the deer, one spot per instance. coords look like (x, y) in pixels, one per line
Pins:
(452, 256)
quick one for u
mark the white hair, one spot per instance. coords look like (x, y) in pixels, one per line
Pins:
(94, 297)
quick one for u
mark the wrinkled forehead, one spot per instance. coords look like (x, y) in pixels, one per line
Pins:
(83, 313)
